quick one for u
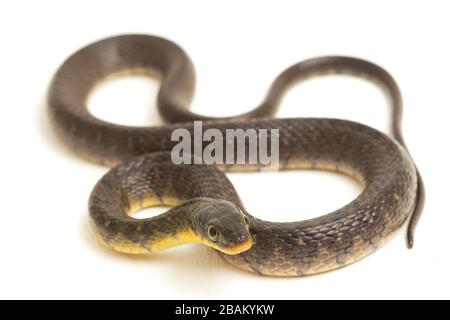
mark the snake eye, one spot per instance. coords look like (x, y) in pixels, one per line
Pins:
(246, 220)
(213, 234)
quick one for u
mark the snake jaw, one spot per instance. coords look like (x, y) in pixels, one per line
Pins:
(239, 247)
(244, 243)
(231, 248)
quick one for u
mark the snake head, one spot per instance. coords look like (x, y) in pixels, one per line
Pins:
(222, 225)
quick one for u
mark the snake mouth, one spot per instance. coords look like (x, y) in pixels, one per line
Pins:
(238, 247)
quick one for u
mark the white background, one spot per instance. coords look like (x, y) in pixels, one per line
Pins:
(238, 47)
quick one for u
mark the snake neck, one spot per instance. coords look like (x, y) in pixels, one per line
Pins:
(173, 228)
(126, 234)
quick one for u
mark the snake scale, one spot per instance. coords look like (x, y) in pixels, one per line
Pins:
(205, 208)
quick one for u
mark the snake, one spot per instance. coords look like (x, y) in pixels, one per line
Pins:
(203, 206)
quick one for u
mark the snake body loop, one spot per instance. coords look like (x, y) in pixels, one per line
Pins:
(205, 206)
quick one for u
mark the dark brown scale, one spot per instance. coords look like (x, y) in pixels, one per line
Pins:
(393, 188)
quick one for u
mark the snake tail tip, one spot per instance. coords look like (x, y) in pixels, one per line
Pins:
(410, 242)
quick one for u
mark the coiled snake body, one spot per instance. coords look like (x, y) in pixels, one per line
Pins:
(205, 206)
